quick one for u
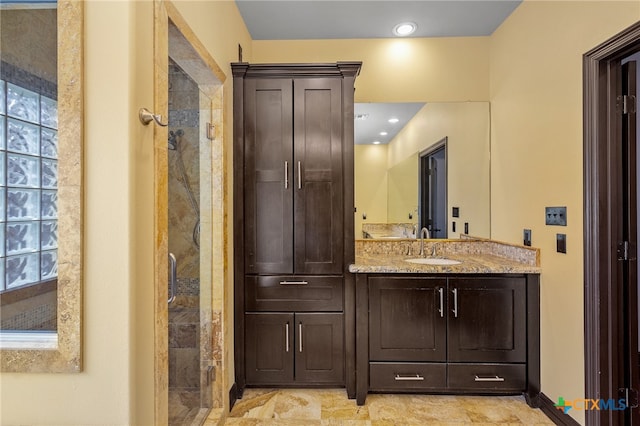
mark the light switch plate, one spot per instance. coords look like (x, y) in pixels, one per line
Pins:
(556, 216)
(561, 243)
(526, 238)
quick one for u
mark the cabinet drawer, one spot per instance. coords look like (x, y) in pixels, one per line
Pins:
(293, 293)
(385, 376)
(487, 377)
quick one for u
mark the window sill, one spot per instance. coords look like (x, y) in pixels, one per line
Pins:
(28, 340)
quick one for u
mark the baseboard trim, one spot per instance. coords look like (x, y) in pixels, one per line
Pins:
(233, 396)
(548, 407)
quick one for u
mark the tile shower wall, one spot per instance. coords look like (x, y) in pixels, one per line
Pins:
(184, 111)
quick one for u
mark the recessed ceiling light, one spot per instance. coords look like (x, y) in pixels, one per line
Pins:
(383, 133)
(393, 120)
(376, 142)
(404, 29)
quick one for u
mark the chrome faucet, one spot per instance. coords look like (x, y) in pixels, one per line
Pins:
(424, 233)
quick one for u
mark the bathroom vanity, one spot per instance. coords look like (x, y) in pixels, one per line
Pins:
(469, 323)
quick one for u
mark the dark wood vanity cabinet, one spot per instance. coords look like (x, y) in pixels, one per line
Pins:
(451, 334)
(293, 224)
(301, 348)
(406, 319)
(293, 192)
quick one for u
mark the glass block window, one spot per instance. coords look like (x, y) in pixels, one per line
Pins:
(28, 187)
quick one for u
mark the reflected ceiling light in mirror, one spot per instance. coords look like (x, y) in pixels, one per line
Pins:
(405, 29)
(383, 133)
(376, 142)
(393, 120)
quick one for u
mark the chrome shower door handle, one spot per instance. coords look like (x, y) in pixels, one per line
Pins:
(299, 176)
(173, 279)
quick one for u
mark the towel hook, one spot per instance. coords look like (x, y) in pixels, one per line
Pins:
(147, 117)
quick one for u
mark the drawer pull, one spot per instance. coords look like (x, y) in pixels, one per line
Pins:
(417, 377)
(294, 282)
(489, 379)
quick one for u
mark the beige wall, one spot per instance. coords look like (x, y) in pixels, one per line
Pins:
(398, 70)
(116, 385)
(370, 171)
(536, 106)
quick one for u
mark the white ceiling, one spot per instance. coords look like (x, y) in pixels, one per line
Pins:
(345, 19)
(332, 19)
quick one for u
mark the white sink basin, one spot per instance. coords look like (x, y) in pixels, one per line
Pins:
(433, 261)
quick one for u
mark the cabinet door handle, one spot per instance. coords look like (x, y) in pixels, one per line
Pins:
(294, 282)
(286, 175)
(299, 176)
(455, 302)
(300, 333)
(489, 379)
(441, 310)
(286, 337)
(417, 377)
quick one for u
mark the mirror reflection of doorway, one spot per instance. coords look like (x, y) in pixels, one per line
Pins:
(433, 189)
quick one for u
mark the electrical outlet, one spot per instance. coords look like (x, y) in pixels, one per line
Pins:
(556, 216)
(527, 237)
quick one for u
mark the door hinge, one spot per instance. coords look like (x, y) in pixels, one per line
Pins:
(626, 104)
(626, 251)
(211, 132)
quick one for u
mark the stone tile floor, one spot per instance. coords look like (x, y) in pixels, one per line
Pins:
(331, 407)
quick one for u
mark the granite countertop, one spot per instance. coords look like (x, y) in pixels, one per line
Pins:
(471, 264)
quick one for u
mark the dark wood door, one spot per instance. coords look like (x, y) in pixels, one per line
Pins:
(269, 348)
(319, 348)
(407, 319)
(317, 163)
(487, 320)
(629, 285)
(268, 168)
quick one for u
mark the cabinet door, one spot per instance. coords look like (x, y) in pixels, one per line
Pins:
(407, 319)
(269, 351)
(487, 320)
(268, 192)
(318, 201)
(319, 348)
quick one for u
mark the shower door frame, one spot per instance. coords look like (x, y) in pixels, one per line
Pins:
(210, 78)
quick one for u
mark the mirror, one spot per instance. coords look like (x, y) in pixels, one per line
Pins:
(387, 175)
(41, 185)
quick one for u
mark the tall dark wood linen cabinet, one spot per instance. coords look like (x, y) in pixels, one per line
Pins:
(293, 225)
